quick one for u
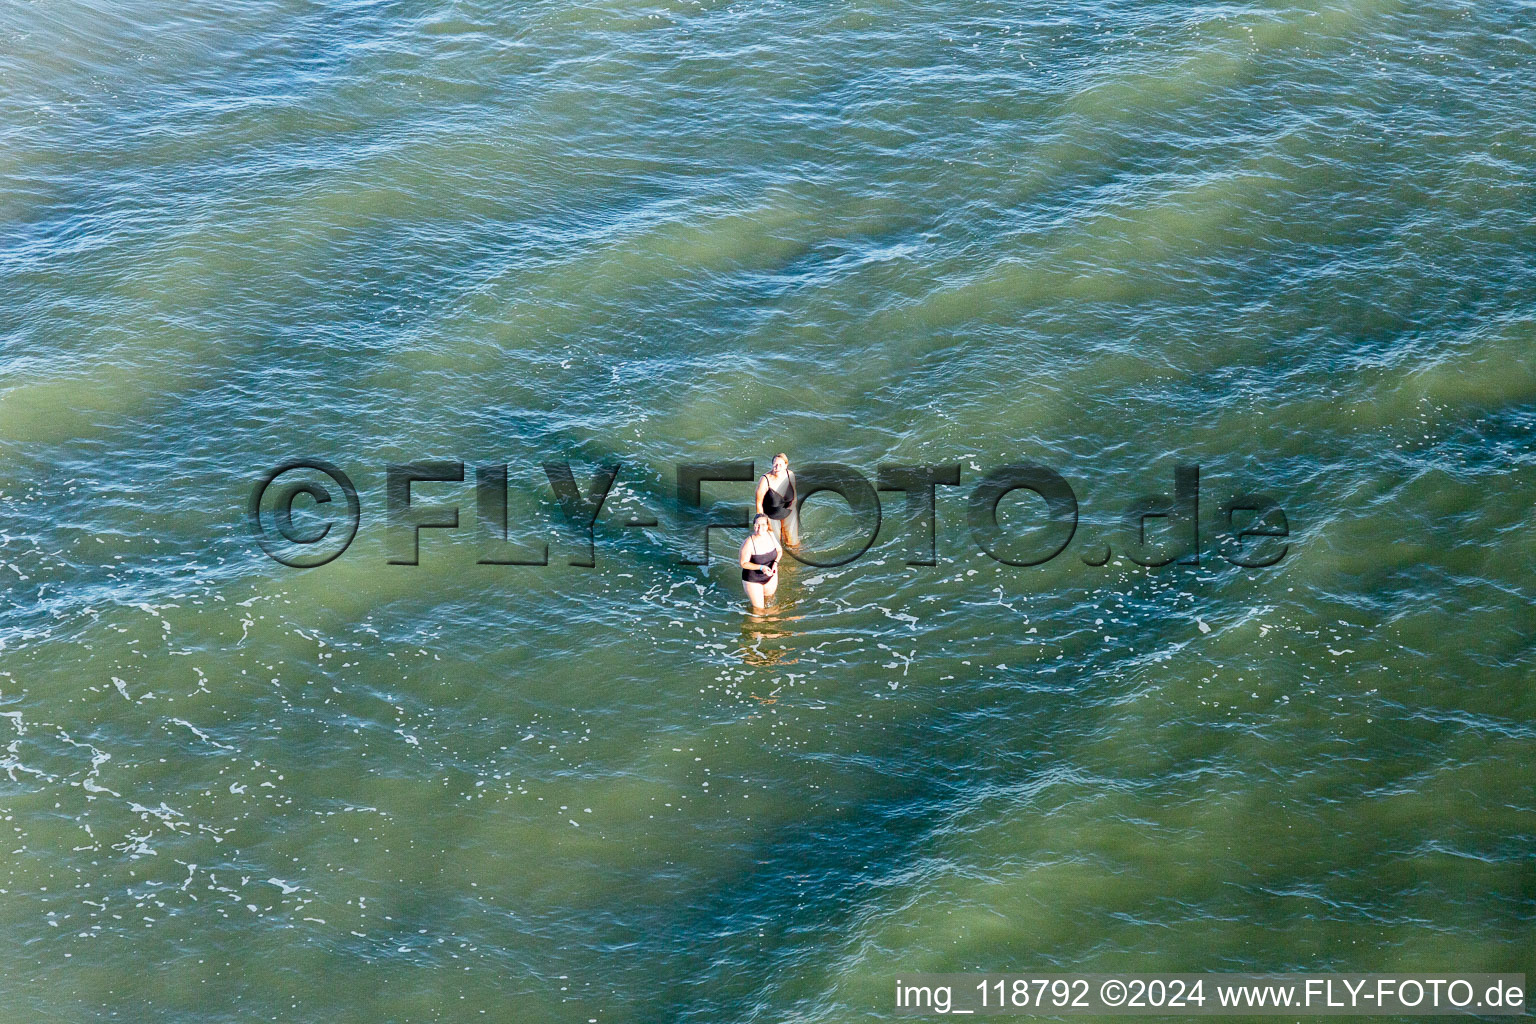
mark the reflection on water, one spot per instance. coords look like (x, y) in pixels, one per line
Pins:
(759, 635)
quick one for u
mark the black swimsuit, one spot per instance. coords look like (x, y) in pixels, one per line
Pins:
(775, 505)
(757, 575)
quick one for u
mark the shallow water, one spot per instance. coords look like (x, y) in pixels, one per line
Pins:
(1290, 244)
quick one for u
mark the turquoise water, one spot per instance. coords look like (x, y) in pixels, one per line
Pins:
(1292, 244)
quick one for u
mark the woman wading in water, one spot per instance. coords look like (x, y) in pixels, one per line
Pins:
(760, 563)
(776, 500)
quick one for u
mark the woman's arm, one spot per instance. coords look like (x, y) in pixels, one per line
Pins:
(744, 556)
(762, 487)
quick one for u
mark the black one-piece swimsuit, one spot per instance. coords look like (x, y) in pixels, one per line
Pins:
(757, 575)
(779, 506)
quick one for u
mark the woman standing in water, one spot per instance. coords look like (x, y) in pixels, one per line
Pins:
(776, 500)
(760, 563)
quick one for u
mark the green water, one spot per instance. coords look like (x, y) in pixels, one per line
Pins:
(1292, 244)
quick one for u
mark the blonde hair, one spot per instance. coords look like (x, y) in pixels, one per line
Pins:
(781, 455)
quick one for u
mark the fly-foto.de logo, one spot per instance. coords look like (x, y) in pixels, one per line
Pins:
(306, 512)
